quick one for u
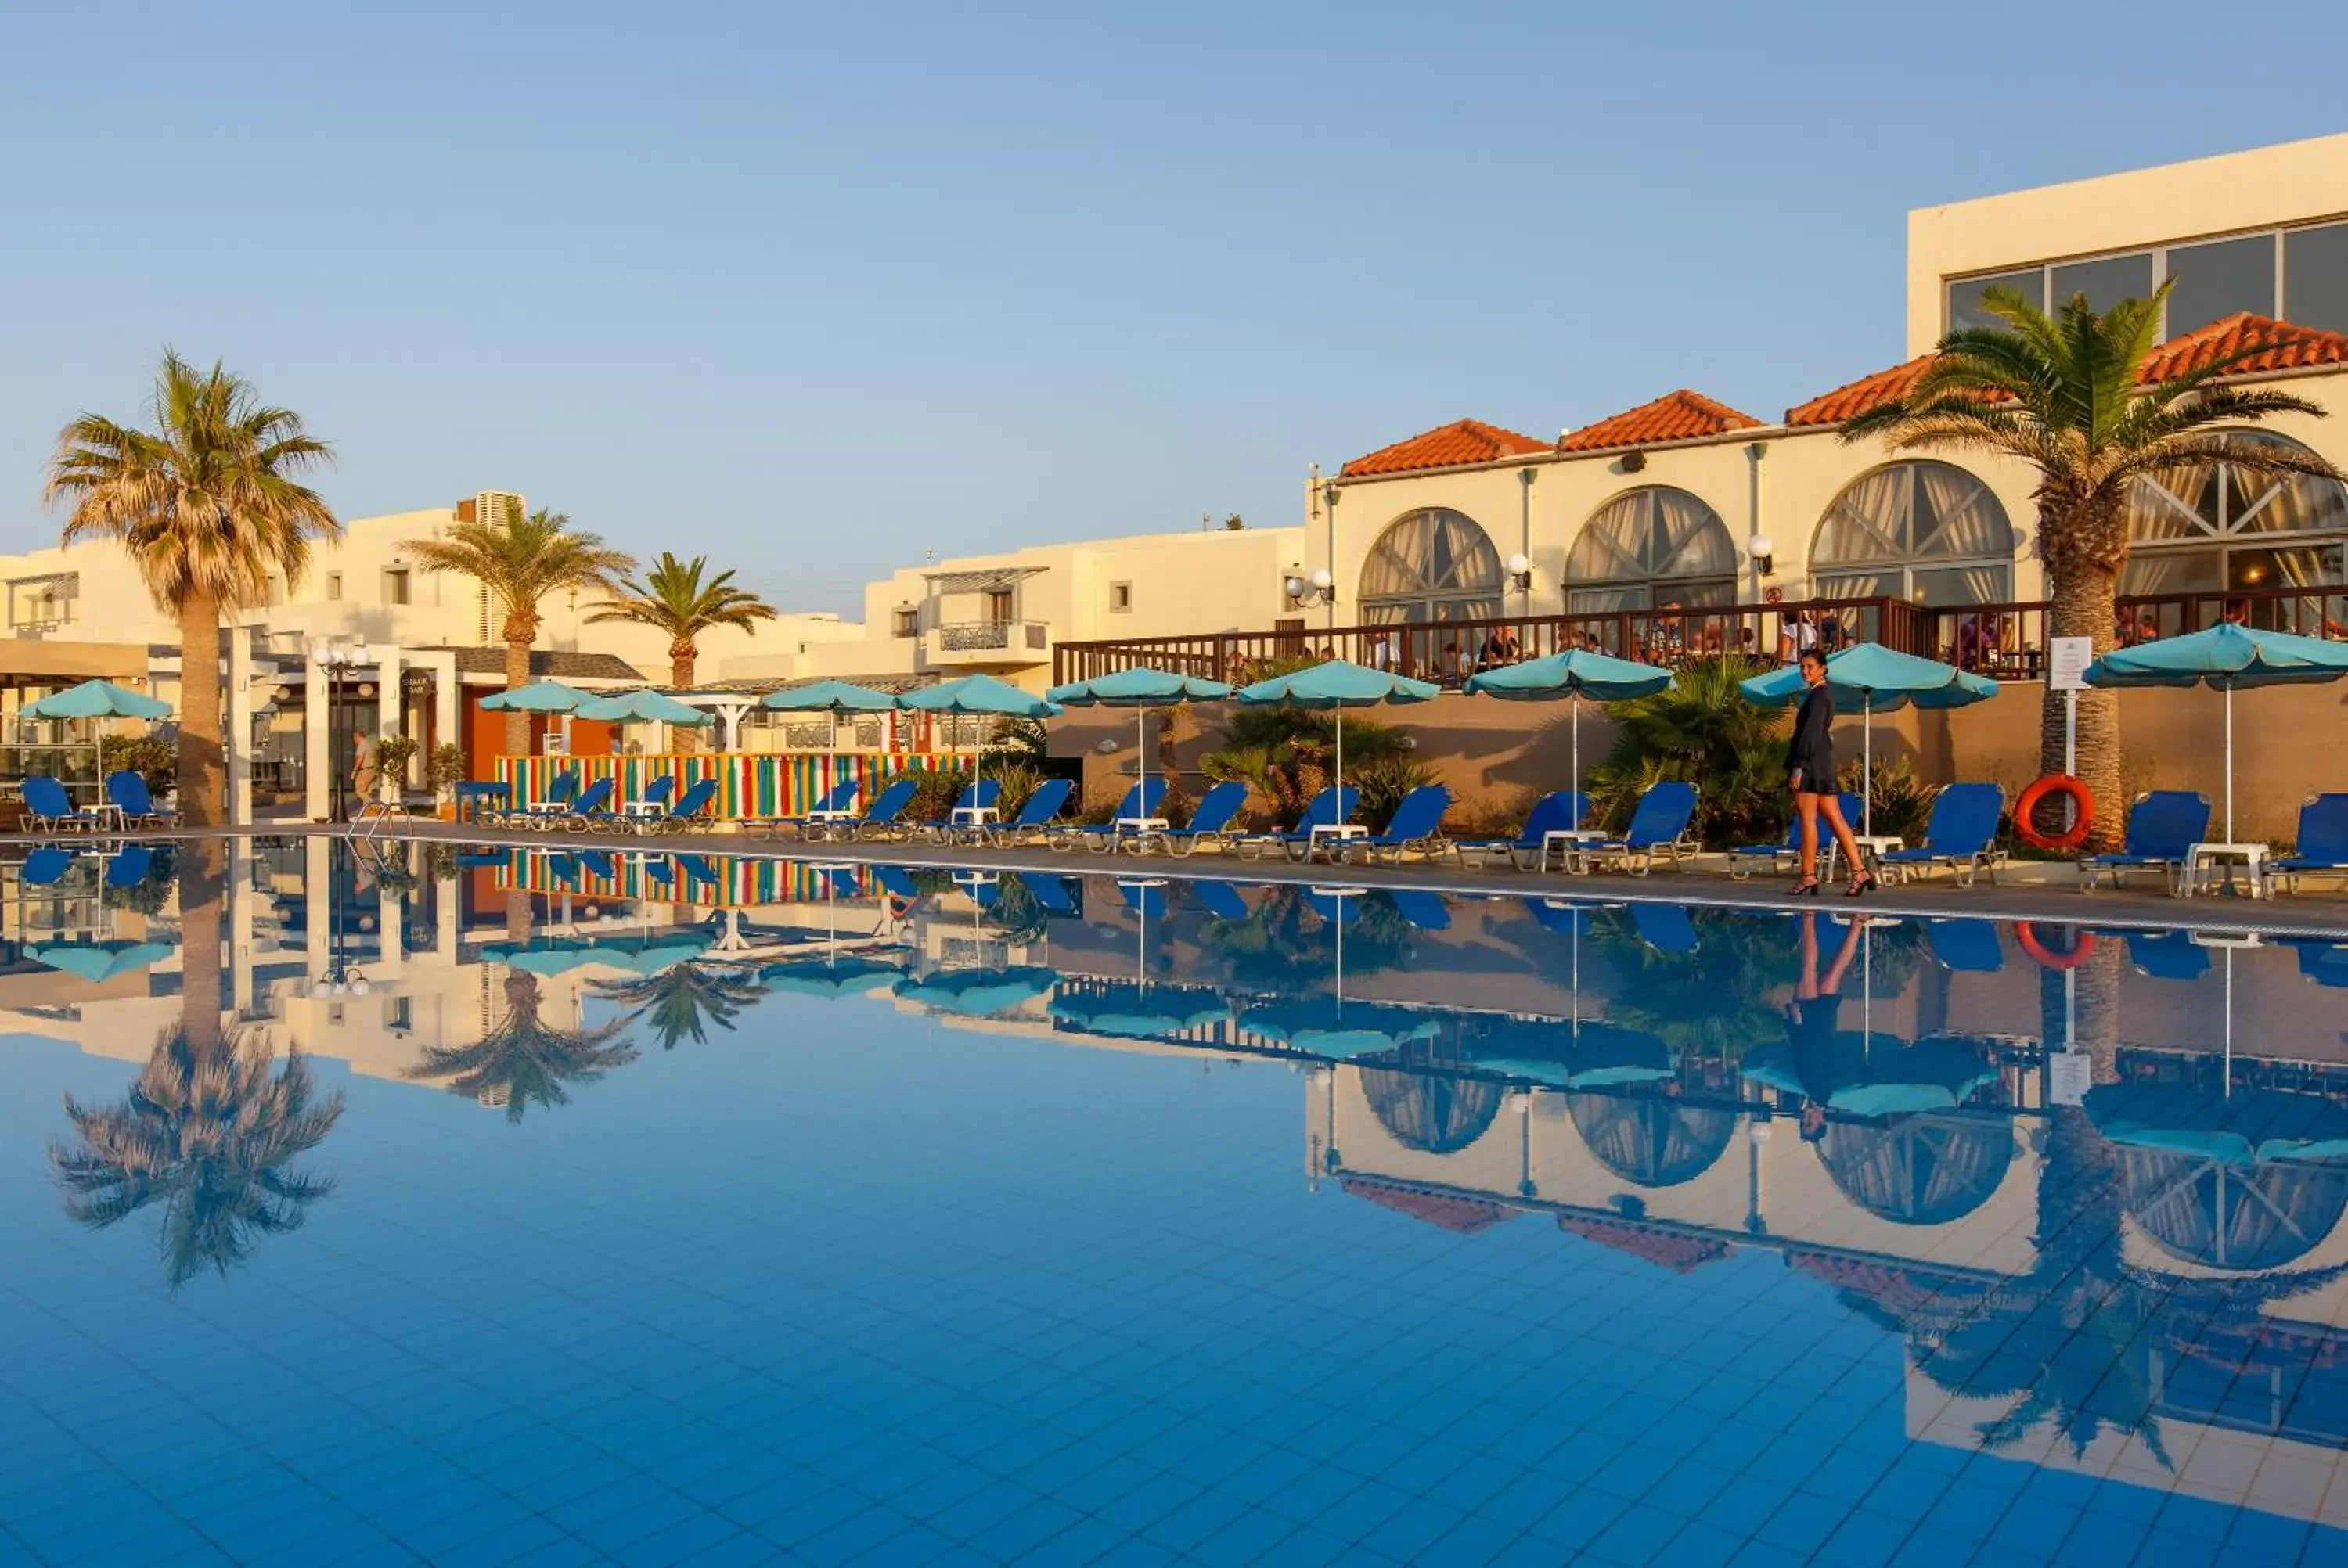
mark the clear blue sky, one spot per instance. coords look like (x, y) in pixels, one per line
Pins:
(813, 289)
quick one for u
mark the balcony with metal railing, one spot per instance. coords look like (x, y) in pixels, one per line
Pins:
(2004, 640)
(987, 644)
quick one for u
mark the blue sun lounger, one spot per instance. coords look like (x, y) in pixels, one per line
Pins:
(1036, 817)
(1415, 828)
(1426, 910)
(1961, 835)
(131, 797)
(2322, 845)
(1961, 944)
(1330, 808)
(1141, 804)
(884, 815)
(824, 815)
(1560, 811)
(1216, 820)
(2162, 825)
(1657, 826)
(49, 809)
(1785, 856)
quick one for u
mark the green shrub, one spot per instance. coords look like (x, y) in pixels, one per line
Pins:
(1704, 733)
(152, 758)
(935, 791)
(444, 769)
(1382, 783)
(1902, 802)
(1285, 754)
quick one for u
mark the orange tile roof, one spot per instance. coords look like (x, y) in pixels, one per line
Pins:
(1849, 402)
(1444, 446)
(2275, 346)
(1681, 416)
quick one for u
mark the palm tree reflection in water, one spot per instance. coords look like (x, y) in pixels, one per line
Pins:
(523, 1059)
(681, 1001)
(209, 1135)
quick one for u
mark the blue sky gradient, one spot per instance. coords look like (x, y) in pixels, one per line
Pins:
(815, 288)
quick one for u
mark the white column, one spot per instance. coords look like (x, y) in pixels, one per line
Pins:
(391, 711)
(240, 725)
(391, 931)
(241, 900)
(318, 897)
(444, 697)
(317, 765)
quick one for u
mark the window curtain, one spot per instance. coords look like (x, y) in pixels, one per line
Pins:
(1957, 517)
(2170, 571)
(1868, 522)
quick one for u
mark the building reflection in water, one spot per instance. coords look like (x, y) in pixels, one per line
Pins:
(2100, 1224)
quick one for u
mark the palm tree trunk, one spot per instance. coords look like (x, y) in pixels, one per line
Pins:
(682, 659)
(200, 917)
(517, 723)
(2083, 602)
(202, 774)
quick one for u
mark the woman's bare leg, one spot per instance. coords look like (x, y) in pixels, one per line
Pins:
(1843, 839)
(1806, 807)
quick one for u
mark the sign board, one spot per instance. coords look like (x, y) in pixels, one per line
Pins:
(2068, 1075)
(2067, 659)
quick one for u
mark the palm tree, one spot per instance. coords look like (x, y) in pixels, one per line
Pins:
(682, 1000)
(523, 1059)
(673, 597)
(207, 505)
(2067, 395)
(522, 559)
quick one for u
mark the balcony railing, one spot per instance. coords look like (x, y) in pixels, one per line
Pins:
(980, 642)
(2005, 641)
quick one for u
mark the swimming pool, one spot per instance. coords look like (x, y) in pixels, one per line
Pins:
(663, 1208)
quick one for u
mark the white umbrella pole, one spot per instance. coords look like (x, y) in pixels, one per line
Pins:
(2230, 773)
(1141, 757)
(1341, 753)
(1573, 704)
(1867, 763)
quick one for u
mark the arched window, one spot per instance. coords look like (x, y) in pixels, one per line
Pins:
(2218, 527)
(1917, 531)
(1649, 547)
(1431, 565)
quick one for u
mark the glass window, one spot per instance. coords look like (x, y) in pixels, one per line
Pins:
(1431, 565)
(1918, 529)
(1120, 598)
(2215, 510)
(2315, 277)
(1649, 547)
(2106, 283)
(2214, 281)
(1965, 296)
(395, 587)
(334, 585)
(905, 622)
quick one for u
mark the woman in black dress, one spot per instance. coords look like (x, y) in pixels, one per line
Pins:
(1809, 758)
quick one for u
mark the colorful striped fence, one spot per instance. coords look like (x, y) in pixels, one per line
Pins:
(739, 884)
(751, 784)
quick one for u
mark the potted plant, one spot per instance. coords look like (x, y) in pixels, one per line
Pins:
(444, 769)
(392, 755)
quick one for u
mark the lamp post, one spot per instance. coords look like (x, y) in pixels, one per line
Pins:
(335, 658)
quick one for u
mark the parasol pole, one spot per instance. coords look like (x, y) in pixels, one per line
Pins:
(1866, 750)
(2230, 775)
(1574, 705)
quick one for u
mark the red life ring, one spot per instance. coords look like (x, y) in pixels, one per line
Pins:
(2027, 807)
(2026, 936)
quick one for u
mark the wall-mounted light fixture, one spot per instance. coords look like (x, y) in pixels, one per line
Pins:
(1306, 591)
(1520, 573)
(1763, 553)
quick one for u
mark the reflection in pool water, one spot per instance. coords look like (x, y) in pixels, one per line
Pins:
(1678, 1233)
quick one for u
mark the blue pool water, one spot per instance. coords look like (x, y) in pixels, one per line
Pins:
(664, 1209)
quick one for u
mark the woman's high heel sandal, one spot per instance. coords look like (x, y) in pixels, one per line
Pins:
(1862, 883)
(1808, 888)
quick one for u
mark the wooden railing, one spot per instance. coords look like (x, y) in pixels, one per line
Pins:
(2005, 641)
(1449, 651)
